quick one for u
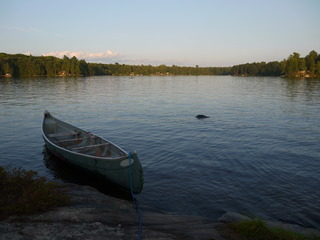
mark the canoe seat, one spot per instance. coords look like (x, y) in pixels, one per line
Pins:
(63, 134)
(90, 146)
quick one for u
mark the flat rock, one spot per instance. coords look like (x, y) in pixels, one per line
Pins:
(231, 217)
(94, 215)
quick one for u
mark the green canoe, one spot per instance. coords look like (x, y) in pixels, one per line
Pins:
(92, 153)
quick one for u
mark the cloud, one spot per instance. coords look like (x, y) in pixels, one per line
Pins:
(111, 57)
(105, 57)
(90, 56)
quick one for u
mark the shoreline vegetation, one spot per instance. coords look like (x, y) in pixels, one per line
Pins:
(20, 65)
(258, 229)
(24, 192)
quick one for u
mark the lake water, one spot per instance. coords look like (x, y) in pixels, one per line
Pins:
(257, 154)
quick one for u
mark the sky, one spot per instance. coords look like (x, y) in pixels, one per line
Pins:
(216, 33)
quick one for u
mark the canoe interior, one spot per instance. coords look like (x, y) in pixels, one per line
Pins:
(79, 141)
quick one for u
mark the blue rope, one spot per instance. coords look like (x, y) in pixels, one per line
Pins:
(134, 199)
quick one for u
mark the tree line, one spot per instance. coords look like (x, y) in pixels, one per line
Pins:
(28, 65)
(123, 69)
(293, 66)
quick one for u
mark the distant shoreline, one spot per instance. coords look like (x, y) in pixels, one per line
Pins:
(20, 65)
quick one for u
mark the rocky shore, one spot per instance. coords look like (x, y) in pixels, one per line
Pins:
(94, 215)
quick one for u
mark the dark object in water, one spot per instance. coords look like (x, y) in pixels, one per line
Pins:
(200, 116)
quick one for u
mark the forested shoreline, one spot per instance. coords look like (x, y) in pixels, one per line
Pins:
(28, 65)
(293, 66)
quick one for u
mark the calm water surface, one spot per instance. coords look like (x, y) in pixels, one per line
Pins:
(258, 153)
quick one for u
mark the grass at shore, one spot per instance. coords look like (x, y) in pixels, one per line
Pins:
(24, 192)
(256, 229)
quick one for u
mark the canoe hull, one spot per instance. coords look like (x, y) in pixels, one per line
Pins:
(115, 169)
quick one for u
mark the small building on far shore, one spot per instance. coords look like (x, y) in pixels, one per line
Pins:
(303, 74)
(7, 75)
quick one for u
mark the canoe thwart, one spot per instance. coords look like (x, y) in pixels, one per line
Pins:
(63, 134)
(90, 146)
(73, 139)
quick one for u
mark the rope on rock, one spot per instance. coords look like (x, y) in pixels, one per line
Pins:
(134, 199)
